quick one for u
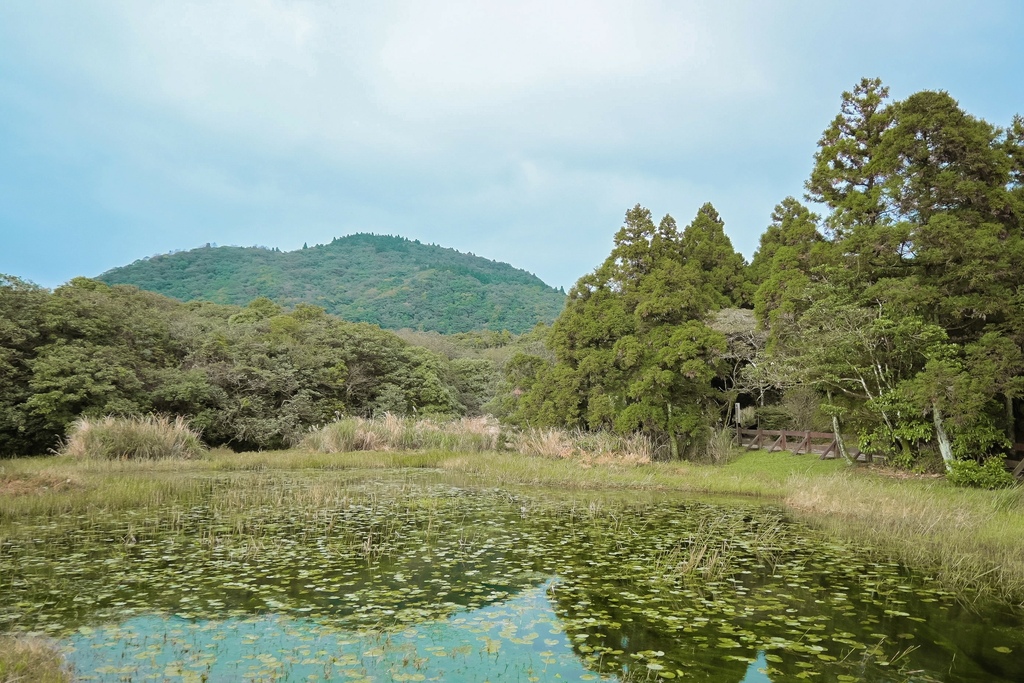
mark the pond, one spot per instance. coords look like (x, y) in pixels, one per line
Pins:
(403, 577)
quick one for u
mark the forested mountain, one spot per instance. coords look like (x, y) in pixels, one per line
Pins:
(390, 281)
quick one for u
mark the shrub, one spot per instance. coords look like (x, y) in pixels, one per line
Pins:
(990, 475)
(133, 438)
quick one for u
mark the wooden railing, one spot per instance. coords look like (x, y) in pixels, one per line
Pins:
(1016, 465)
(822, 443)
(826, 446)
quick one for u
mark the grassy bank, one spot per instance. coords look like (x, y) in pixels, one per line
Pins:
(970, 541)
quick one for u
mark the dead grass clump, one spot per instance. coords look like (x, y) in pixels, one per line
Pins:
(35, 483)
(393, 433)
(718, 449)
(25, 658)
(133, 438)
(590, 448)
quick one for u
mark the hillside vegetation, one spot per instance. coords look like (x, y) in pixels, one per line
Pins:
(895, 320)
(390, 281)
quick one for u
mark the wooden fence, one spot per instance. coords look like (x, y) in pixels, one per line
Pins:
(825, 445)
(1016, 465)
(822, 443)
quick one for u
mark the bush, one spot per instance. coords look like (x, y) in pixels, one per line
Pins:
(133, 438)
(990, 475)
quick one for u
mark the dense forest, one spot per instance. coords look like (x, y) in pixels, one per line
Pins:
(250, 377)
(895, 318)
(389, 281)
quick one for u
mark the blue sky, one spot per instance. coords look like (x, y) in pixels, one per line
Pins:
(518, 131)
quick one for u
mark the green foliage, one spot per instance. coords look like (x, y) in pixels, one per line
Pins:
(389, 281)
(781, 269)
(252, 378)
(633, 350)
(907, 314)
(990, 474)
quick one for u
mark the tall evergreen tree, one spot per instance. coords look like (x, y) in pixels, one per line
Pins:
(789, 250)
(707, 248)
(632, 347)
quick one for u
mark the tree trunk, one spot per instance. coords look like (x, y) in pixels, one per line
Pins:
(945, 447)
(839, 437)
(1011, 420)
(839, 441)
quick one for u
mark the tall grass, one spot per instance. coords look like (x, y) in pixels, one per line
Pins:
(133, 438)
(394, 433)
(970, 541)
(718, 449)
(25, 659)
(589, 447)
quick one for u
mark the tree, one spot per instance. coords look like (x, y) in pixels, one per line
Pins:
(790, 249)
(848, 172)
(918, 284)
(707, 248)
(633, 351)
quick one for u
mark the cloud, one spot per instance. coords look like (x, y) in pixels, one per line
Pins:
(521, 131)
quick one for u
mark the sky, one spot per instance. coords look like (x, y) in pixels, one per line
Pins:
(519, 131)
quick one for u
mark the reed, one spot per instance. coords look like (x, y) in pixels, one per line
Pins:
(969, 541)
(133, 438)
(588, 447)
(393, 433)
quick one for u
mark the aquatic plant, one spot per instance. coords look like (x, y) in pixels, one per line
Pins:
(132, 438)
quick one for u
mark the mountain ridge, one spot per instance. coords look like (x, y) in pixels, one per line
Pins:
(388, 280)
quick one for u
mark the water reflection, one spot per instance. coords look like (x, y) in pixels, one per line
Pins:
(267, 580)
(757, 672)
(518, 640)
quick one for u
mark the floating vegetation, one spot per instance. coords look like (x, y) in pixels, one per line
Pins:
(286, 576)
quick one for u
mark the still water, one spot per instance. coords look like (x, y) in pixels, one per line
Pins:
(289, 577)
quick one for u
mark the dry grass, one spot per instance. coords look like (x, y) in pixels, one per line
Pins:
(970, 541)
(133, 438)
(394, 433)
(25, 659)
(588, 448)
